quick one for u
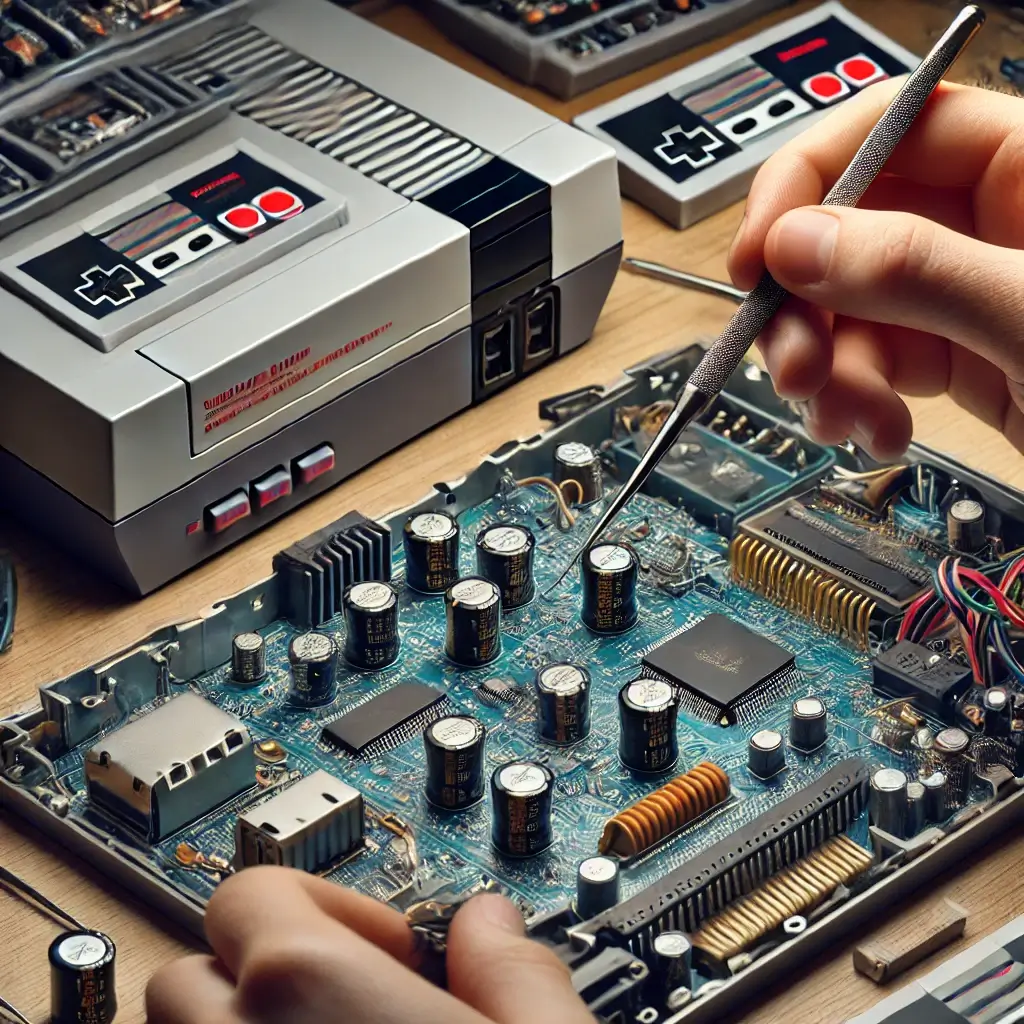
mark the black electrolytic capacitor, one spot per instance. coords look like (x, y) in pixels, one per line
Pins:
(998, 710)
(563, 703)
(431, 542)
(314, 662)
(597, 886)
(248, 659)
(935, 804)
(808, 724)
(647, 726)
(504, 555)
(965, 526)
(82, 989)
(473, 612)
(455, 762)
(371, 625)
(577, 461)
(766, 755)
(521, 795)
(609, 575)
(672, 961)
(888, 800)
(917, 813)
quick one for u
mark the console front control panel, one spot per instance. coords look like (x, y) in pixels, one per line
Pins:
(264, 491)
(168, 246)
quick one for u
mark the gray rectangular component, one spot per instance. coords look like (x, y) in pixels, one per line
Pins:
(311, 825)
(171, 766)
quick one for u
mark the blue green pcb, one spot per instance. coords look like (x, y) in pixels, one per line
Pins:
(591, 784)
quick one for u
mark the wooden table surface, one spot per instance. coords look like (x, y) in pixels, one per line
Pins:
(68, 619)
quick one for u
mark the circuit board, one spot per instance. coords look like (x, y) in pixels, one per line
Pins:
(891, 527)
(591, 784)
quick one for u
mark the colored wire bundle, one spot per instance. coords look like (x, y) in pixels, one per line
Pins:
(981, 602)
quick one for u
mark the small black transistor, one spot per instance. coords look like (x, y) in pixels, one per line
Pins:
(719, 664)
(931, 680)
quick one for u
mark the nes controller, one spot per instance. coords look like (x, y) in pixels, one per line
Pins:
(254, 251)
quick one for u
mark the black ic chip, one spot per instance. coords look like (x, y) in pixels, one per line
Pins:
(384, 721)
(930, 680)
(719, 664)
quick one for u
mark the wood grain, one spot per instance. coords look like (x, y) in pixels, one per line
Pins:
(69, 619)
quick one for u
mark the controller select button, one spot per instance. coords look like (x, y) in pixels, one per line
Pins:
(269, 488)
(227, 512)
(314, 464)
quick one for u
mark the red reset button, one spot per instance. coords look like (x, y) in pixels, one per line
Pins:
(227, 512)
(315, 463)
(269, 488)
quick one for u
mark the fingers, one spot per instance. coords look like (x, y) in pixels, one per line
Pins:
(262, 900)
(194, 990)
(858, 401)
(495, 968)
(292, 959)
(797, 350)
(951, 144)
(900, 269)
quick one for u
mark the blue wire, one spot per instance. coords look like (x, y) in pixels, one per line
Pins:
(8, 603)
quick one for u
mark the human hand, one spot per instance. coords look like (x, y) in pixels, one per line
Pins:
(291, 948)
(919, 291)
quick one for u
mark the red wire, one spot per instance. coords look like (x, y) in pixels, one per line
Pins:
(1006, 607)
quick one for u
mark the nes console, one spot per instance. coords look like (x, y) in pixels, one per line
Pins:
(246, 249)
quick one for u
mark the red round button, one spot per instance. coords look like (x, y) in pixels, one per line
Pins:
(242, 217)
(825, 86)
(860, 69)
(276, 201)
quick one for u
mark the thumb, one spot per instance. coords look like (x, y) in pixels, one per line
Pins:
(501, 973)
(897, 268)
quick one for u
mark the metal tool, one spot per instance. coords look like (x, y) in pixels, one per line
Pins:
(726, 354)
(701, 284)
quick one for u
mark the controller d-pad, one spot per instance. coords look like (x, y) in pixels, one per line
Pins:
(116, 286)
(695, 147)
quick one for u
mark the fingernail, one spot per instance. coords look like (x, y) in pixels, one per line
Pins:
(865, 433)
(805, 411)
(500, 913)
(803, 245)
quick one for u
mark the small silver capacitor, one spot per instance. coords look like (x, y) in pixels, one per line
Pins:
(997, 711)
(248, 659)
(935, 803)
(766, 754)
(916, 815)
(965, 526)
(671, 962)
(577, 461)
(808, 724)
(949, 756)
(597, 886)
(888, 800)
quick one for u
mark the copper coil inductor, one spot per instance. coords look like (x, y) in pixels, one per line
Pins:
(657, 816)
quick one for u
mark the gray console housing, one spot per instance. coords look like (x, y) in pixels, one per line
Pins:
(347, 330)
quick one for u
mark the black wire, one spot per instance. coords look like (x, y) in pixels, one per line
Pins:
(8, 603)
